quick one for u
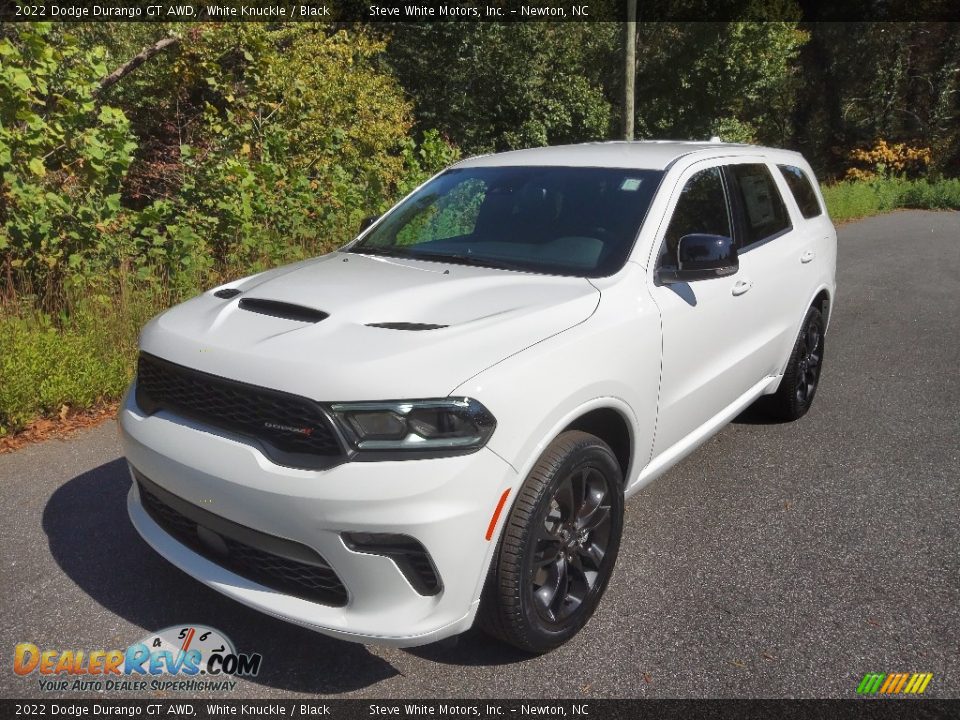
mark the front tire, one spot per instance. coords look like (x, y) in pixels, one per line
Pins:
(802, 377)
(558, 546)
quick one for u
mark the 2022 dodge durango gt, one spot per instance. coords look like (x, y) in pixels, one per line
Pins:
(440, 422)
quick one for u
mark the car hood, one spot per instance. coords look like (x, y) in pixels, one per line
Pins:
(487, 314)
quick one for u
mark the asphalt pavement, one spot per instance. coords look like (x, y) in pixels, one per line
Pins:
(779, 560)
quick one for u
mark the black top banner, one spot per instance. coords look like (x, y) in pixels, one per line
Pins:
(187, 11)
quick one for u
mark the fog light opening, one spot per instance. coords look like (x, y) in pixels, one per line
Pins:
(410, 557)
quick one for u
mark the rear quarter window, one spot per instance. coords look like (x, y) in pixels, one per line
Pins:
(802, 190)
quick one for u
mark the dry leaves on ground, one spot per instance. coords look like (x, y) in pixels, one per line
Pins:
(65, 424)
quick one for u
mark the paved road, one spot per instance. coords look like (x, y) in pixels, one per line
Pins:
(778, 560)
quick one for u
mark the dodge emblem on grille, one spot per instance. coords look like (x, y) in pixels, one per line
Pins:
(288, 428)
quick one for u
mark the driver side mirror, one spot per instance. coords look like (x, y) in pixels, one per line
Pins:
(367, 222)
(700, 257)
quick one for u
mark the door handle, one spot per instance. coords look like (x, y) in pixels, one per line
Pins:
(807, 256)
(741, 287)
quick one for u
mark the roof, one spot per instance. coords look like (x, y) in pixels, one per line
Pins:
(647, 154)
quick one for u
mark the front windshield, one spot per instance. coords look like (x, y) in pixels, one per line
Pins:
(557, 220)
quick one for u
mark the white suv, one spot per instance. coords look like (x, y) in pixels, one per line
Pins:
(441, 421)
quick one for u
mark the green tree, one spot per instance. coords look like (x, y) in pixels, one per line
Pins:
(499, 86)
(734, 79)
(259, 144)
(863, 82)
(287, 137)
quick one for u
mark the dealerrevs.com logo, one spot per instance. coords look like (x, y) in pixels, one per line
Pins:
(185, 657)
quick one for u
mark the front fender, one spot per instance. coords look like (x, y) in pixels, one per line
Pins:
(612, 360)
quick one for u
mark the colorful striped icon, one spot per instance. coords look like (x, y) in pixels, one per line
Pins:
(894, 683)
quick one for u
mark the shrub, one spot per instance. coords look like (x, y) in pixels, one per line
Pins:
(938, 195)
(300, 136)
(888, 161)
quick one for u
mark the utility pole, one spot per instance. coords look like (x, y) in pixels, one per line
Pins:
(630, 74)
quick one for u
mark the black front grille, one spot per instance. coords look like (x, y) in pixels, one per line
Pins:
(273, 562)
(291, 430)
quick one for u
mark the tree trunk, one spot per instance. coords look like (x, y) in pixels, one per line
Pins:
(630, 69)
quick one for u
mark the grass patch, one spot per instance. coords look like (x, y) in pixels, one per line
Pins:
(79, 361)
(851, 200)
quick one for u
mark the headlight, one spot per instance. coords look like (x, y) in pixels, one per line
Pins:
(443, 426)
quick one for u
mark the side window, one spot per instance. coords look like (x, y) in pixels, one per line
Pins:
(702, 208)
(764, 213)
(802, 190)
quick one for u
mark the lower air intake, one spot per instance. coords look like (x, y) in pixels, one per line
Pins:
(267, 560)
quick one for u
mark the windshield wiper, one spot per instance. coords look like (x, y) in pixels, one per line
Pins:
(384, 252)
(466, 259)
(457, 258)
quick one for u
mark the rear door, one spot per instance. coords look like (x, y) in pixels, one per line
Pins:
(817, 260)
(771, 245)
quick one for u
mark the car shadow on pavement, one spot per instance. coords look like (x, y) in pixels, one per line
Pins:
(473, 648)
(757, 414)
(93, 542)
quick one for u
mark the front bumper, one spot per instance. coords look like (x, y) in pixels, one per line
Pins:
(446, 504)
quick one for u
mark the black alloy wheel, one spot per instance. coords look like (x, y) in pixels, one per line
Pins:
(810, 358)
(570, 544)
(802, 377)
(558, 546)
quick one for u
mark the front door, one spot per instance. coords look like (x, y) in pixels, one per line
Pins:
(710, 327)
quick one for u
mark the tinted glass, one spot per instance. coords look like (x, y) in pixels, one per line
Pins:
(702, 208)
(557, 220)
(764, 213)
(802, 190)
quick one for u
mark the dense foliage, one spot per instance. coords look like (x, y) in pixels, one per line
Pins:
(861, 82)
(735, 80)
(62, 159)
(823, 88)
(249, 146)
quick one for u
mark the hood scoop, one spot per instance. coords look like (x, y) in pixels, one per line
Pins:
(406, 326)
(285, 310)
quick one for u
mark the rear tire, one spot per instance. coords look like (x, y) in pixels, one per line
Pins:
(558, 546)
(802, 377)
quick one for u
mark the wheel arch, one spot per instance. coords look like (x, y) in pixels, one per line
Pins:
(822, 301)
(613, 428)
